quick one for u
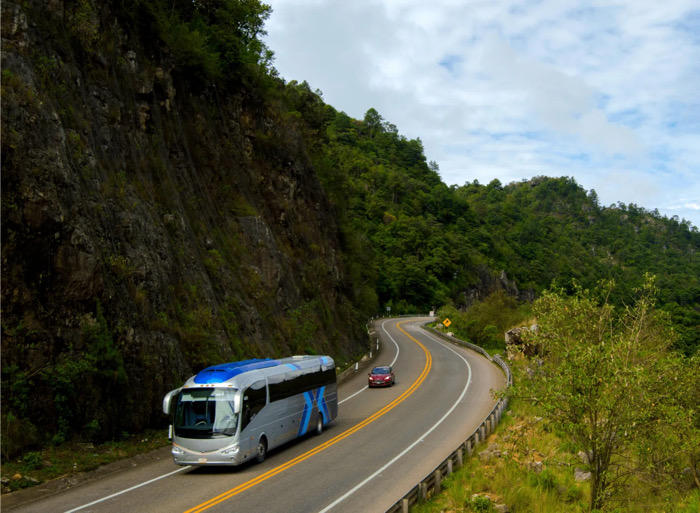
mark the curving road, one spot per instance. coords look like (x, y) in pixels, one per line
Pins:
(381, 444)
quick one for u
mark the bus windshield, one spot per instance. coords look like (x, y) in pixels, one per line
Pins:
(206, 413)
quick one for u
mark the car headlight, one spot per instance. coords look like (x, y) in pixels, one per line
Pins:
(231, 450)
(177, 451)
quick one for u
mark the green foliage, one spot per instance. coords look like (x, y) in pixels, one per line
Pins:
(32, 460)
(545, 480)
(109, 366)
(423, 244)
(303, 329)
(83, 23)
(218, 40)
(485, 322)
(480, 503)
(607, 384)
(190, 48)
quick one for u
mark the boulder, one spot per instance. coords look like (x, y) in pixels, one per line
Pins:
(516, 343)
(581, 475)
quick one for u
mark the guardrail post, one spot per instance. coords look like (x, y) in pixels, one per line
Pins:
(423, 491)
(438, 481)
(460, 460)
(449, 467)
(468, 446)
(404, 505)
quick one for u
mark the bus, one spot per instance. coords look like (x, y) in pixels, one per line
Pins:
(236, 412)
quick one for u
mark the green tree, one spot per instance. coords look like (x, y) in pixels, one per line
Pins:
(598, 383)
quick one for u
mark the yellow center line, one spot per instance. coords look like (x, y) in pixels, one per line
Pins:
(277, 470)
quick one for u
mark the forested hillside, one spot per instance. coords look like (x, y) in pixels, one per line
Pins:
(425, 244)
(169, 202)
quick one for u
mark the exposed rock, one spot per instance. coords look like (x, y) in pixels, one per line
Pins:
(585, 457)
(535, 466)
(164, 230)
(485, 456)
(581, 475)
(488, 283)
(516, 343)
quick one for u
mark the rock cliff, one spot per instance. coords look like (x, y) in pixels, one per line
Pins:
(152, 224)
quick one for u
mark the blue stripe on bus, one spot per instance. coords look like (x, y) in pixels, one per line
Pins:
(313, 398)
(306, 415)
(323, 407)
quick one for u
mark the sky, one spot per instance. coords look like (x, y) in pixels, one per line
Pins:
(606, 92)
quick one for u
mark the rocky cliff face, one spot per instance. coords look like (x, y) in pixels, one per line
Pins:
(152, 224)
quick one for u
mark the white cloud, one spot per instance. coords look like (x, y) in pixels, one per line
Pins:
(603, 91)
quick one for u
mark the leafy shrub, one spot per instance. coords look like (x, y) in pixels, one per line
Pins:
(32, 461)
(480, 503)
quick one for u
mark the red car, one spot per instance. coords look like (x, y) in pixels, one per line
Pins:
(381, 377)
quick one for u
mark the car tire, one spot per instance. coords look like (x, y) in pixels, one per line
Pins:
(261, 451)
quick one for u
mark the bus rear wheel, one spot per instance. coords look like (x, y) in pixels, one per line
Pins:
(261, 451)
(319, 425)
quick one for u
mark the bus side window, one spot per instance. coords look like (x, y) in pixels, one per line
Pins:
(254, 400)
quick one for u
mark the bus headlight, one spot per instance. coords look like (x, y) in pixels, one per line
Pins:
(231, 450)
(177, 451)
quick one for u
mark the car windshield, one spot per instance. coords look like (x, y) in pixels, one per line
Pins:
(381, 370)
(206, 413)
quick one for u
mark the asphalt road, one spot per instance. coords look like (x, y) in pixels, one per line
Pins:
(381, 444)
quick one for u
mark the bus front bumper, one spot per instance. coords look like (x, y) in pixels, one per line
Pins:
(228, 456)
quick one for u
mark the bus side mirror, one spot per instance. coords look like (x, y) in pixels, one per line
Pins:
(237, 403)
(169, 400)
(170, 432)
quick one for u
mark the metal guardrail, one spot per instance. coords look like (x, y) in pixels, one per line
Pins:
(432, 483)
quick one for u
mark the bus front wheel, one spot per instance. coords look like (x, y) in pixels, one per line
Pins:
(262, 450)
(319, 425)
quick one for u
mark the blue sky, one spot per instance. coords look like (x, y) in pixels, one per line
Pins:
(607, 92)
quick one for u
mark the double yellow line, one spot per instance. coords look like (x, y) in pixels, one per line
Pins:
(342, 436)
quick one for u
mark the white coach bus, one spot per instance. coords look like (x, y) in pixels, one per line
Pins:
(234, 412)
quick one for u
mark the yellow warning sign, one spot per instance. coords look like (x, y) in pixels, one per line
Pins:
(446, 323)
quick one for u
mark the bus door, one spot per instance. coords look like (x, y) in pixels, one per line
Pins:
(252, 422)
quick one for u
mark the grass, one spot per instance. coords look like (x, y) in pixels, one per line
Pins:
(507, 479)
(73, 458)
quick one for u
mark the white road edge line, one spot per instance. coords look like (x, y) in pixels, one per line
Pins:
(125, 491)
(392, 364)
(420, 439)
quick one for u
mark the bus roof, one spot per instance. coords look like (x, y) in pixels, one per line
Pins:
(226, 371)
